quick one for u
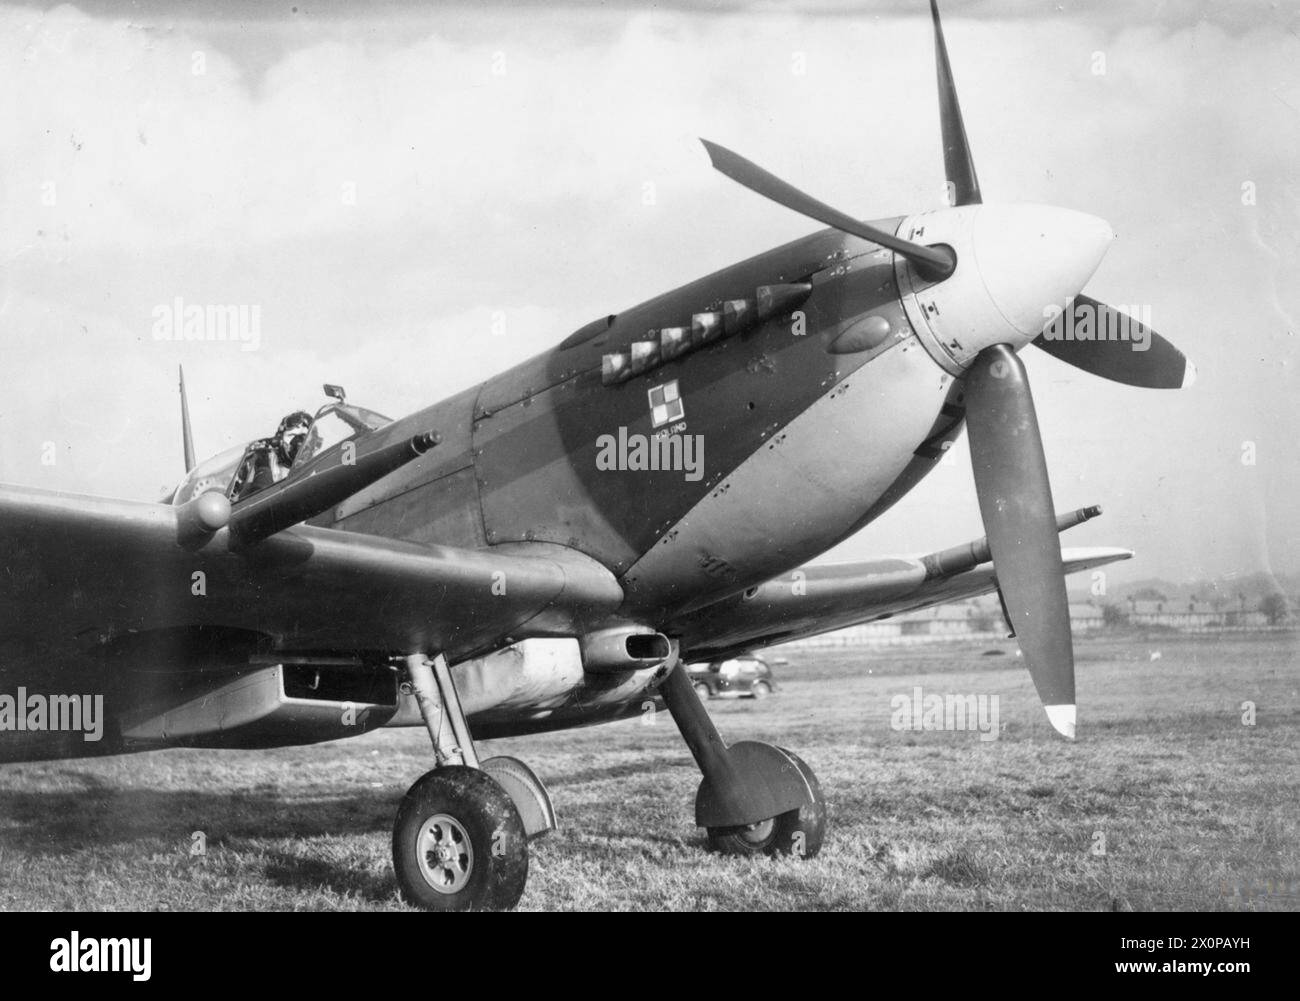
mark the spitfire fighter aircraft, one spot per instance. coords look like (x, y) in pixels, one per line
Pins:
(547, 549)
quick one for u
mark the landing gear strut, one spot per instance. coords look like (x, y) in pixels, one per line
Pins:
(755, 799)
(460, 841)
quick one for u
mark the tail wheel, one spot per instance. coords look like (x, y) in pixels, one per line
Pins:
(459, 844)
(798, 832)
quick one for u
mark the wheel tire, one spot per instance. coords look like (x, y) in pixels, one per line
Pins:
(761, 689)
(459, 844)
(702, 690)
(797, 832)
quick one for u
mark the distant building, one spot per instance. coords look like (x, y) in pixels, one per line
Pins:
(1085, 617)
(982, 619)
(979, 618)
(1194, 615)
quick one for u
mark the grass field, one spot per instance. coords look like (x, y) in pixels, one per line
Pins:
(1197, 810)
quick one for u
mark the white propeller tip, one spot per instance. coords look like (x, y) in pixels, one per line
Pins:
(1189, 375)
(1062, 720)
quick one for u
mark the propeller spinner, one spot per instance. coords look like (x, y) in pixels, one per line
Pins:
(1003, 266)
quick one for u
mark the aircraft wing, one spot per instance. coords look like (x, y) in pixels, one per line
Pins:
(81, 576)
(819, 599)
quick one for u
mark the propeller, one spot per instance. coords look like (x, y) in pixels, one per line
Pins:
(1158, 365)
(1022, 259)
(1015, 501)
(958, 164)
(932, 263)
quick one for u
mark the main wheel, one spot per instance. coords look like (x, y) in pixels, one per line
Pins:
(797, 832)
(702, 690)
(458, 843)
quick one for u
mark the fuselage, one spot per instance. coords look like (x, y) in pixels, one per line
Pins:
(719, 434)
(803, 428)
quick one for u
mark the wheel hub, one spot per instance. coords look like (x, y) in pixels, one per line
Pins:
(756, 834)
(445, 854)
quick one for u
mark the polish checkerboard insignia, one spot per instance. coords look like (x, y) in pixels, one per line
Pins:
(666, 404)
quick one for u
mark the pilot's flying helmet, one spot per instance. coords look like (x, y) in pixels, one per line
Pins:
(289, 435)
(297, 419)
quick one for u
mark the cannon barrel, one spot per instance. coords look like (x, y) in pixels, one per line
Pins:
(318, 488)
(965, 557)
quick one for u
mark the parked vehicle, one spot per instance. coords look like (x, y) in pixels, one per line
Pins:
(746, 676)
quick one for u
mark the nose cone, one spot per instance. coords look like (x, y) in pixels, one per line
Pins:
(1032, 258)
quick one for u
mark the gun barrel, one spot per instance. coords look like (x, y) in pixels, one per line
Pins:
(965, 557)
(315, 491)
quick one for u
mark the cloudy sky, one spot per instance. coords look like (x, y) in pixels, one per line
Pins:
(416, 196)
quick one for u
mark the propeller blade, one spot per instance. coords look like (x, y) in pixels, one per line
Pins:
(932, 263)
(1100, 339)
(958, 164)
(1020, 522)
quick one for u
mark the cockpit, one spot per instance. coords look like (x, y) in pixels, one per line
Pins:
(334, 424)
(242, 471)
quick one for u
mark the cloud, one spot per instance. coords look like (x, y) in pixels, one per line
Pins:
(384, 186)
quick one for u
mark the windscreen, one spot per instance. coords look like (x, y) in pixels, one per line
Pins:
(336, 424)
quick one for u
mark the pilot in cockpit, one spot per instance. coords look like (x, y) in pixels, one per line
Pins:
(267, 460)
(289, 437)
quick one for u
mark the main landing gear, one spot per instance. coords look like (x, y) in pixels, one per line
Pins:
(460, 842)
(755, 799)
(461, 837)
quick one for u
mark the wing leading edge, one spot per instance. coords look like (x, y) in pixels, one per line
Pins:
(83, 573)
(820, 599)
